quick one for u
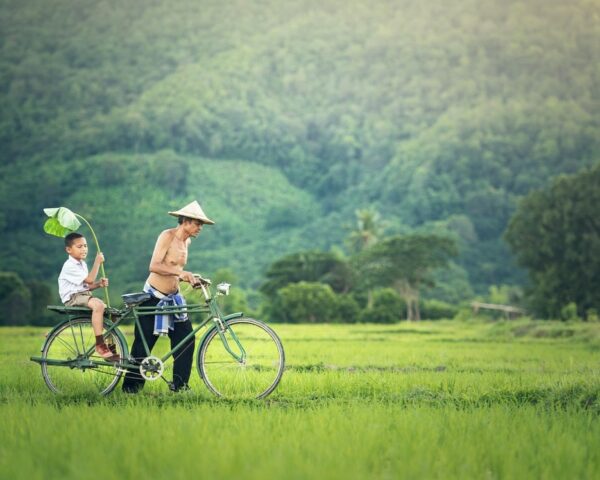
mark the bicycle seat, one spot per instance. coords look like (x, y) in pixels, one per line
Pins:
(67, 310)
(135, 298)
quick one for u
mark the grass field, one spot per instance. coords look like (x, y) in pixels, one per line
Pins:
(420, 400)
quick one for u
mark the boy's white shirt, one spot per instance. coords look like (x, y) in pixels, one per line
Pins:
(70, 280)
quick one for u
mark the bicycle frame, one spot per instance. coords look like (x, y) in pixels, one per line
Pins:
(190, 309)
(211, 308)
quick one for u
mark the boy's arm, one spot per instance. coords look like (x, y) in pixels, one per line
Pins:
(103, 282)
(91, 278)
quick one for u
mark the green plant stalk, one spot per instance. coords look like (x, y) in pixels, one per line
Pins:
(106, 297)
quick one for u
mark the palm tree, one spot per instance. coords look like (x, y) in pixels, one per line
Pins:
(368, 230)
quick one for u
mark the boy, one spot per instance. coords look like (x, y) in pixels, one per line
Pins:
(75, 284)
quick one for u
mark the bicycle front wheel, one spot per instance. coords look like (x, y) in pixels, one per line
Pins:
(69, 368)
(258, 367)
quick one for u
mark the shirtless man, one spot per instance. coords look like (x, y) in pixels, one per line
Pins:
(166, 271)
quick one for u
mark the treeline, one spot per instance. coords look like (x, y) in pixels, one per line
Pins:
(382, 282)
(375, 278)
(24, 303)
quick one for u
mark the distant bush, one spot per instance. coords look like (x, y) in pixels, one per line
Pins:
(379, 315)
(592, 315)
(569, 312)
(312, 302)
(306, 302)
(436, 309)
(347, 309)
(388, 307)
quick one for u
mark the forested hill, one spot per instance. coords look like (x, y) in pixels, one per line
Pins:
(283, 118)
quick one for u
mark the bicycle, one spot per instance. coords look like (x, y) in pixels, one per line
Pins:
(247, 362)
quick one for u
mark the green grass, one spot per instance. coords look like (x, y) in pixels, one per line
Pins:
(428, 400)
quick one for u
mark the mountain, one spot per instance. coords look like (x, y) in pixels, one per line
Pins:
(283, 118)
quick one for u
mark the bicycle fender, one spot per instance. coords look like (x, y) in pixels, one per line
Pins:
(232, 315)
(224, 319)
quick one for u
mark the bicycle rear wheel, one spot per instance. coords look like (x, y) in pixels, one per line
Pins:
(69, 370)
(259, 371)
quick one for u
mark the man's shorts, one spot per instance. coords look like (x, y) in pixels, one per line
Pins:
(80, 299)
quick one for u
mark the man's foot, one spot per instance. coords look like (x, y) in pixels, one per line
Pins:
(106, 353)
(179, 388)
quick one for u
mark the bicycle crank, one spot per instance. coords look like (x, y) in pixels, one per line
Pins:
(152, 368)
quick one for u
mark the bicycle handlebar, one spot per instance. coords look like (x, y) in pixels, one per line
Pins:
(201, 280)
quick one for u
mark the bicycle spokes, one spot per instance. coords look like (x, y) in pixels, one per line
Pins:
(251, 371)
(70, 369)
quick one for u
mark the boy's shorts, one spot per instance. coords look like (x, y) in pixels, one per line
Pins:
(79, 299)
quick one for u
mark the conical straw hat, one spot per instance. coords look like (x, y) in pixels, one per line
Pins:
(193, 210)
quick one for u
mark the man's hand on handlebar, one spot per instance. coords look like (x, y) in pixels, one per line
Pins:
(200, 280)
(189, 277)
(193, 279)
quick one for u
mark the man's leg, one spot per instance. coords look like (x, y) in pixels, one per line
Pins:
(182, 366)
(133, 381)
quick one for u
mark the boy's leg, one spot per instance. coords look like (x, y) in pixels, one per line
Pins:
(182, 366)
(133, 381)
(97, 306)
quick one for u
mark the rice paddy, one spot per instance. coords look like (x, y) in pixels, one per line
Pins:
(410, 400)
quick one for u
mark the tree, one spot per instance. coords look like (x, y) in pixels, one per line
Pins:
(41, 297)
(15, 300)
(405, 262)
(368, 230)
(312, 266)
(555, 234)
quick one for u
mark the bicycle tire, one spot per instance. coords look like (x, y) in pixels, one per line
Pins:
(68, 343)
(257, 376)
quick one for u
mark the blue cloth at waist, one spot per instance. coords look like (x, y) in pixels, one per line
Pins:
(164, 322)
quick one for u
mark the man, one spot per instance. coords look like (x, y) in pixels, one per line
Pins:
(166, 271)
